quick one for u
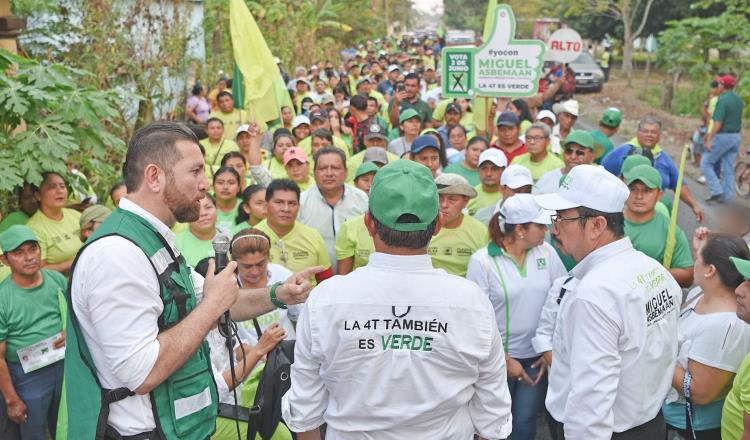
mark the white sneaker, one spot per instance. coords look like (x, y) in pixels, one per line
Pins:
(702, 180)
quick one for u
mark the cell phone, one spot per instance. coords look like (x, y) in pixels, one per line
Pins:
(401, 88)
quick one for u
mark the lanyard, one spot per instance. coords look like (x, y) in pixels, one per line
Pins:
(507, 303)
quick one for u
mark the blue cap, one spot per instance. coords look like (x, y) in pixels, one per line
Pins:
(509, 119)
(422, 142)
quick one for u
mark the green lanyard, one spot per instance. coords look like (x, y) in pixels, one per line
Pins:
(507, 303)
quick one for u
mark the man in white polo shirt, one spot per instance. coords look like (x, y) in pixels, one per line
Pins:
(615, 340)
(391, 351)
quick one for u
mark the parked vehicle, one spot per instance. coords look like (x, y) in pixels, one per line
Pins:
(589, 76)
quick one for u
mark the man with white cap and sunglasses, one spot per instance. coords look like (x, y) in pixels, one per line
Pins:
(612, 368)
(516, 179)
(492, 162)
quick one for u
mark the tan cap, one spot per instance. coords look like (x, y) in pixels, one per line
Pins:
(450, 183)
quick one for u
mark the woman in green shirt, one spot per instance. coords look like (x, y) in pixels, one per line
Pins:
(195, 243)
(468, 167)
(227, 190)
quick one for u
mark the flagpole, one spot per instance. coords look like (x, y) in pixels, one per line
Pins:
(671, 237)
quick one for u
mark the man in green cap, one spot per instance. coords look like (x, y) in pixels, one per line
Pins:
(410, 124)
(735, 416)
(578, 149)
(364, 176)
(32, 340)
(372, 344)
(633, 161)
(647, 230)
(608, 126)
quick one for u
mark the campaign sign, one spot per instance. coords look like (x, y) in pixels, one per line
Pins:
(502, 66)
(564, 46)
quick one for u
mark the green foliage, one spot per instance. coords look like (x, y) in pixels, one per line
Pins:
(685, 46)
(65, 123)
(298, 32)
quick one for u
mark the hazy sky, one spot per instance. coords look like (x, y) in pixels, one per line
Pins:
(429, 6)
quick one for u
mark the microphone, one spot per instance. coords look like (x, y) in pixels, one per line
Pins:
(221, 246)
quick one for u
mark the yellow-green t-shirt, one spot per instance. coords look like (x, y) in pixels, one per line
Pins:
(276, 168)
(306, 144)
(353, 240)
(214, 153)
(483, 199)
(355, 161)
(59, 239)
(193, 248)
(451, 249)
(549, 163)
(299, 249)
(736, 404)
(231, 120)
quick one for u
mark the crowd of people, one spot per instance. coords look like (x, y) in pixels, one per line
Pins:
(529, 267)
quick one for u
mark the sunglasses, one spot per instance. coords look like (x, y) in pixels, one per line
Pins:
(579, 153)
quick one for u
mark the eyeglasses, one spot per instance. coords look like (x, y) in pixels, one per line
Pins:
(556, 218)
(579, 153)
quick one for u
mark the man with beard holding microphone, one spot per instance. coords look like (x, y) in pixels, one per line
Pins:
(137, 362)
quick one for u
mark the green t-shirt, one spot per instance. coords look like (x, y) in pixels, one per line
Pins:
(193, 248)
(4, 271)
(483, 199)
(458, 168)
(59, 239)
(353, 240)
(650, 237)
(14, 218)
(421, 107)
(451, 249)
(225, 221)
(729, 112)
(538, 169)
(736, 404)
(602, 145)
(28, 316)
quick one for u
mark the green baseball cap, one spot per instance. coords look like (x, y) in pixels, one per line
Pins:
(404, 187)
(646, 174)
(408, 114)
(612, 117)
(580, 137)
(633, 161)
(366, 167)
(743, 266)
(15, 236)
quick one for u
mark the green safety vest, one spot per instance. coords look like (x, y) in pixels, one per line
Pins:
(185, 406)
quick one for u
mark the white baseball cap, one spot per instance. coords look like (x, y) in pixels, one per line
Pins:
(299, 120)
(393, 67)
(569, 106)
(521, 209)
(516, 176)
(244, 128)
(495, 156)
(588, 186)
(546, 114)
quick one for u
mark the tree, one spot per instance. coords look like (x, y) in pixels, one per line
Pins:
(48, 119)
(684, 49)
(632, 14)
(138, 45)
